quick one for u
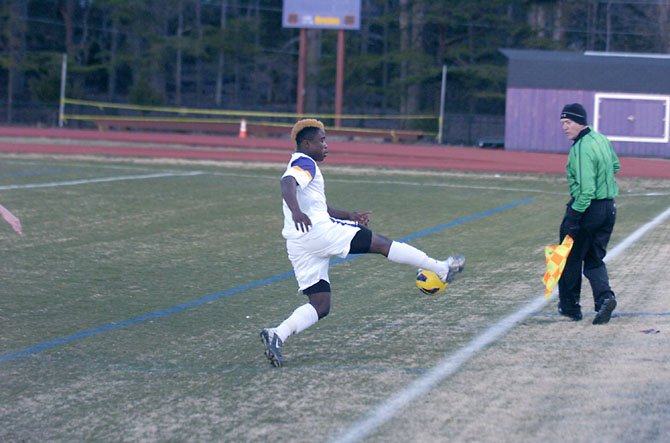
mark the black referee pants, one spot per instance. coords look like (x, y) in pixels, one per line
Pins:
(587, 255)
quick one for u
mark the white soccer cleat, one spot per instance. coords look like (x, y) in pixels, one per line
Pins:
(455, 264)
(273, 346)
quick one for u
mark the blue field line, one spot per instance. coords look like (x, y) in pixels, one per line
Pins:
(4, 358)
(616, 314)
(140, 319)
(461, 221)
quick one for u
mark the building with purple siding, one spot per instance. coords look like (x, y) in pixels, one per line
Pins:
(626, 96)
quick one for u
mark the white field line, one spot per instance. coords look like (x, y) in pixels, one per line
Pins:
(100, 180)
(352, 180)
(385, 182)
(491, 188)
(452, 362)
(448, 185)
(486, 188)
(402, 182)
(646, 194)
(77, 164)
(440, 185)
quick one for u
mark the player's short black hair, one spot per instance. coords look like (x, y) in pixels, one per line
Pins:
(307, 133)
(301, 127)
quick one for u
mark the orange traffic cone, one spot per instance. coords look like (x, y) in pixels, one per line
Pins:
(243, 128)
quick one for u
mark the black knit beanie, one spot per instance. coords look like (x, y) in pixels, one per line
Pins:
(574, 112)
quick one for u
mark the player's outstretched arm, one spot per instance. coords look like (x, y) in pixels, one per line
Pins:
(362, 217)
(10, 218)
(288, 192)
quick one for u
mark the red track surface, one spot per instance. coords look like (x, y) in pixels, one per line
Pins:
(208, 147)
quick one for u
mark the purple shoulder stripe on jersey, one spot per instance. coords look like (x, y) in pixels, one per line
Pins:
(305, 164)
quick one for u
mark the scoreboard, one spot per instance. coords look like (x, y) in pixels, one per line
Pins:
(322, 14)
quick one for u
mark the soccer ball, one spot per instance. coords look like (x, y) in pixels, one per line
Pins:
(429, 283)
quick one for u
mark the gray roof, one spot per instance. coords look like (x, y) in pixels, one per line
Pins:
(615, 72)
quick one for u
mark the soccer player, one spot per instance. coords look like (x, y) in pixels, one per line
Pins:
(589, 216)
(315, 232)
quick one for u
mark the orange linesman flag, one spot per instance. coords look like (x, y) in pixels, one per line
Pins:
(556, 256)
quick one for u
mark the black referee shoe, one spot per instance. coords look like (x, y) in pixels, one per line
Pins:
(605, 312)
(572, 315)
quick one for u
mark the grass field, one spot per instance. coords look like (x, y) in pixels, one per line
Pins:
(131, 307)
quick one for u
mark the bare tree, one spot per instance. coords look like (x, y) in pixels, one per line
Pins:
(608, 26)
(14, 35)
(222, 55)
(592, 25)
(312, 82)
(198, 52)
(385, 51)
(113, 51)
(414, 87)
(179, 52)
(405, 43)
(545, 17)
(663, 16)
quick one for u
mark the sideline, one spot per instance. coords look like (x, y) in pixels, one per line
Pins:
(527, 190)
(9, 356)
(452, 362)
(411, 183)
(100, 180)
(233, 174)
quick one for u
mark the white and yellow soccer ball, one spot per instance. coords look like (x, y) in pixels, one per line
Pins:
(429, 283)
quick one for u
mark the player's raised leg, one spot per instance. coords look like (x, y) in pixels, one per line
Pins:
(399, 252)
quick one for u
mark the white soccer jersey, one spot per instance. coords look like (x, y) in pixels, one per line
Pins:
(310, 193)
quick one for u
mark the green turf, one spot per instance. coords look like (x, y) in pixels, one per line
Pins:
(101, 253)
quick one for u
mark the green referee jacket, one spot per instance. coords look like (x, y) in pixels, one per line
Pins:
(591, 166)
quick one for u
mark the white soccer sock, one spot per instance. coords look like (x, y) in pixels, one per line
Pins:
(302, 318)
(409, 255)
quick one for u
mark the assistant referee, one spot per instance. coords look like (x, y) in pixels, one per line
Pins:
(589, 217)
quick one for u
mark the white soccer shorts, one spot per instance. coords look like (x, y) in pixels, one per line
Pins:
(310, 254)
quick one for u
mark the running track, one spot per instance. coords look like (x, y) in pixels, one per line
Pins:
(275, 150)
